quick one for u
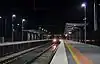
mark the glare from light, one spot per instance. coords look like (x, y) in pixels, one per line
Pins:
(70, 32)
(83, 5)
(66, 35)
(88, 40)
(93, 40)
(18, 24)
(84, 18)
(42, 29)
(0, 17)
(60, 35)
(13, 15)
(13, 29)
(46, 31)
(23, 20)
(74, 25)
(12, 25)
(49, 35)
(54, 47)
(54, 40)
(60, 40)
(39, 27)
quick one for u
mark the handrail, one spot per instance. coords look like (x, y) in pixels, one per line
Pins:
(21, 42)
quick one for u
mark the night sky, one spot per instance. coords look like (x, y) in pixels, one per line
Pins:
(50, 14)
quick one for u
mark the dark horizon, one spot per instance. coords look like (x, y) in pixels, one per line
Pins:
(55, 13)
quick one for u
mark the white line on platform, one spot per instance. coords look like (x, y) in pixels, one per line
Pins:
(21, 42)
(60, 57)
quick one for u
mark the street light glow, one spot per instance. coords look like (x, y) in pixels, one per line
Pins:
(66, 35)
(46, 31)
(42, 29)
(83, 5)
(23, 20)
(13, 29)
(84, 18)
(74, 25)
(39, 27)
(12, 25)
(70, 32)
(72, 28)
(13, 15)
(18, 24)
(0, 17)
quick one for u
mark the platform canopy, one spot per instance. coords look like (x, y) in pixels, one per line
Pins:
(72, 26)
(33, 31)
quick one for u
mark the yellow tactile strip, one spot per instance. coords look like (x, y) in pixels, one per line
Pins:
(77, 56)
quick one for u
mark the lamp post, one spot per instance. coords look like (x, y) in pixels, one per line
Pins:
(84, 6)
(13, 16)
(2, 34)
(23, 20)
(95, 16)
